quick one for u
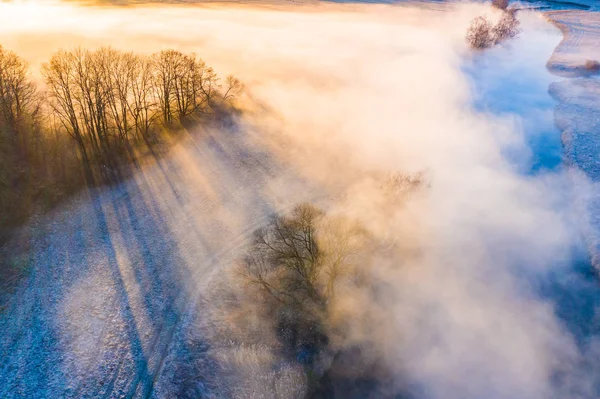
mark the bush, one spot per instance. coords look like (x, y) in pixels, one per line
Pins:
(483, 34)
(479, 34)
(507, 28)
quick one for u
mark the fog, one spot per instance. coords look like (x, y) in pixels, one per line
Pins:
(339, 92)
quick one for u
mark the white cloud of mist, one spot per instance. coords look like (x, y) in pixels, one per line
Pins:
(352, 89)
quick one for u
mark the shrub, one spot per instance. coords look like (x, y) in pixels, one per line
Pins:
(479, 34)
(506, 28)
(483, 34)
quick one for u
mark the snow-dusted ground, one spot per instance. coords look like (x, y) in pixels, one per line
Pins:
(580, 44)
(578, 112)
(112, 272)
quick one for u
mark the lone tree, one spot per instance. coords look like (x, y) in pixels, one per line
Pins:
(296, 263)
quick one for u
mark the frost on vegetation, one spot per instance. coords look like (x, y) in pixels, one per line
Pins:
(507, 28)
(479, 35)
(482, 33)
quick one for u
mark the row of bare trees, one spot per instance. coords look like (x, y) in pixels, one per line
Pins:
(107, 99)
(88, 115)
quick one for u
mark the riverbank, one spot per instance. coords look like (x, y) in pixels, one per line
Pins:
(578, 112)
(578, 54)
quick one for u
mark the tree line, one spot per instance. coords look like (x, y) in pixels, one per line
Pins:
(89, 114)
(107, 99)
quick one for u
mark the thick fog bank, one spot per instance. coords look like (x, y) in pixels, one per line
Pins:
(340, 93)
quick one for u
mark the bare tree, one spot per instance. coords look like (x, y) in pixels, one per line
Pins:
(284, 260)
(165, 66)
(143, 104)
(117, 76)
(234, 87)
(18, 99)
(209, 87)
(60, 80)
(185, 85)
(296, 264)
(86, 98)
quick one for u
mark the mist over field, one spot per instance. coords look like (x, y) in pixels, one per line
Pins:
(338, 99)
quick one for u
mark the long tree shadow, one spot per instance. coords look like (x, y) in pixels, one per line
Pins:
(144, 215)
(137, 348)
(37, 356)
(30, 345)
